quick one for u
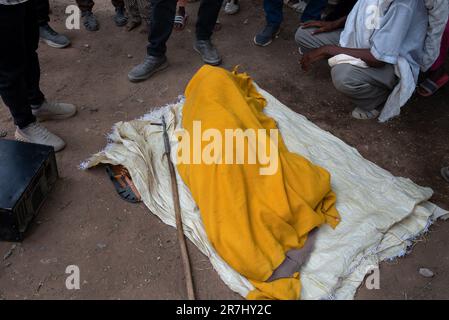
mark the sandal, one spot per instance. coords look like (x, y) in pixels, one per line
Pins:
(180, 22)
(428, 87)
(361, 114)
(125, 187)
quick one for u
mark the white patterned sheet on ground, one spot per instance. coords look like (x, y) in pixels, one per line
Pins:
(381, 214)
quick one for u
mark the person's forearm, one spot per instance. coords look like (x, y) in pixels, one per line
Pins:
(363, 54)
(340, 23)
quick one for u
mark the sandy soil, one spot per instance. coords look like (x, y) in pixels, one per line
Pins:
(125, 252)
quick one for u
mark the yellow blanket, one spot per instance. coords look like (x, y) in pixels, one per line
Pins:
(251, 219)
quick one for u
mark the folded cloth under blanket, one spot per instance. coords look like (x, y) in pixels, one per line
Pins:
(380, 214)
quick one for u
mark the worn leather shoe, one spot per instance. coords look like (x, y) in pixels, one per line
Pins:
(208, 52)
(147, 68)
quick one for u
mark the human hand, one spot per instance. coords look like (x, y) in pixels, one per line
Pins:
(322, 26)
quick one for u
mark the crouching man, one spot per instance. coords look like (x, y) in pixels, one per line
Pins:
(20, 74)
(376, 58)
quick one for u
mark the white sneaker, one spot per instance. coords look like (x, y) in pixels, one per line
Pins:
(54, 111)
(36, 133)
(231, 7)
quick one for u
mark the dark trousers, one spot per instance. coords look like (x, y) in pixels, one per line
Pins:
(163, 16)
(313, 10)
(43, 11)
(273, 12)
(87, 5)
(19, 63)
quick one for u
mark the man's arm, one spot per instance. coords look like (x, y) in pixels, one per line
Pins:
(327, 52)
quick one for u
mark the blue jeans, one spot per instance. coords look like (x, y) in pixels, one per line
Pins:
(273, 12)
(313, 10)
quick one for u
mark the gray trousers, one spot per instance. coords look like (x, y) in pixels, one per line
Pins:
(368, 88)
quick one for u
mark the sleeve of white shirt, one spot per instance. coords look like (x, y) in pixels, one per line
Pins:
(438, 16)
(387, 40)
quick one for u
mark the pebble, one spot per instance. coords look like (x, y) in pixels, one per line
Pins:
(427, 273)
(101, 245)
(129, 56)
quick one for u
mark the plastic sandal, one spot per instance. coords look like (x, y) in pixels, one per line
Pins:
(125, 187)
(180, 22)
(428, 87)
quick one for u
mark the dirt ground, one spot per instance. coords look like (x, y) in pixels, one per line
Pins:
(123, 251)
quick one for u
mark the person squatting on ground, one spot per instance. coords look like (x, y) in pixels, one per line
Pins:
(90, 21)
(20, 75)
(138, 11)
(46, 33)
(162, 22)
(367, 52)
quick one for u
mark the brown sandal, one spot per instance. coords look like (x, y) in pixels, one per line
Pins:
(125, 187)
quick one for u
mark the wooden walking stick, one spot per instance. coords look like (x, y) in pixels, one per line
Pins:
(179, 227)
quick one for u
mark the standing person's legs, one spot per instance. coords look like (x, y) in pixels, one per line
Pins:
(145, 11)
(41, 109)
(274, 16)
(118, 3)
(32, 66)
(85, 5)
(90, 22)
(207, 17)
(43, 10)
(13, 86)
(273, 12)
(134, 18)
(368, 88)
(47, 34)
(162, 20)
(120, 18)
(313, 10)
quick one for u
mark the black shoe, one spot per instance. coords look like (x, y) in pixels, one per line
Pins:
(90, 22)
(267, 35)
(147, 68)
(208, 52)
(120, 18)
(52, 38)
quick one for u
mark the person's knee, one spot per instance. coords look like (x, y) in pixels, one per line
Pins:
(344, 79)
(302, 38)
